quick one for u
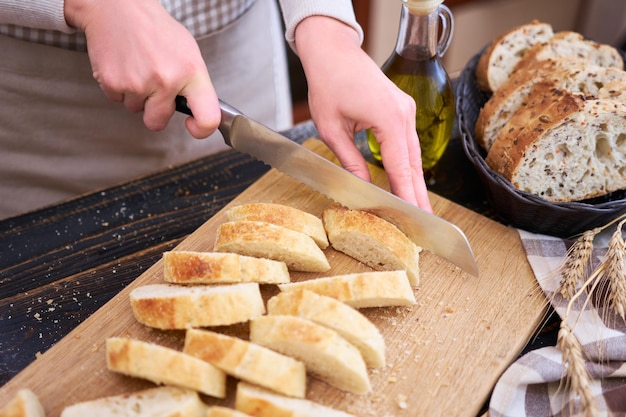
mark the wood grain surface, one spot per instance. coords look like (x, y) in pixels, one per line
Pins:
(444, 354)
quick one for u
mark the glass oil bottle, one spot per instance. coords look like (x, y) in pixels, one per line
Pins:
(415, 67)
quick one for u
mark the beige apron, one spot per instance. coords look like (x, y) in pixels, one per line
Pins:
(60, 136)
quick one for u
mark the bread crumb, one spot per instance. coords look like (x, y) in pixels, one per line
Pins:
(401, 399)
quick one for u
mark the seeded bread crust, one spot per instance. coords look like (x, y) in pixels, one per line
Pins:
(572, 151)
(497, 62)
(570, 74)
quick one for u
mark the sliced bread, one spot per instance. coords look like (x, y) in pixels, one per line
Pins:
(371, 240)
(267, 240)
(259, 402)
(248, 361)
(166, 306)
(155, 402)
(572, 44)
(281, 215)
(499, 58)
(572, 151)
(24, 404)
(324, 352)
(361, 290)
(163, 365)
(188, 267)
(569, 74)
(336, 315)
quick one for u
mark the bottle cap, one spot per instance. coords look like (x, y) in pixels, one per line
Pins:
(422, 6)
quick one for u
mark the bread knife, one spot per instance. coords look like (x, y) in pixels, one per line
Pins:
(427, 230)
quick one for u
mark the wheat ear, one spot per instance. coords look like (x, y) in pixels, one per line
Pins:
(576, 266)
(613, 271)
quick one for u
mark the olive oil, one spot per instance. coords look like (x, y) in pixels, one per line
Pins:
(415, 67)
(427, 82)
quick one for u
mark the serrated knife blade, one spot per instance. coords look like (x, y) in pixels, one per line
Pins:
(425, 229)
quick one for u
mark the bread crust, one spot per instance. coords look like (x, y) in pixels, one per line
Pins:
(248, 361)
(266, 240)
(361, 290)
(188, 267)
(23, 404)
(162, 365)
(336, 315)
(371, 240)
(166, 306)
(323, 351)
(281, 215)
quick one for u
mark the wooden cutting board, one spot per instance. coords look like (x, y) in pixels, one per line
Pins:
(444, 354)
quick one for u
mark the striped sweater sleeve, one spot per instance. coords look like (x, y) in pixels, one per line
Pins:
(294, 11)
(40, 14)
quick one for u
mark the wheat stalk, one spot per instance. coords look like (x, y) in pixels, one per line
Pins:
(612, 269)
(576, 266)
(579, 379)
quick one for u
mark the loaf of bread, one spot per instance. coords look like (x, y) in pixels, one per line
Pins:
(24, 404)
(336, 315)
(162, 365)
(155, 402)
(167, 306)
(569, 74)
(218, 411)
(324, 352)
(281, 215)
(259, 402)
(248, 361)
(571, 151)
(371, 240)
(498, 60)
(267, 240)
(572, 44)
(188, 267)
(361, 290)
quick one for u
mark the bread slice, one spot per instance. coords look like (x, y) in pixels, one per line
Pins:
(24, 404)
(281, 215)
(162, 365)
(266, 240)
(371, 240)
(248, 361)
(155, 402)
(572, 151)
(573, 44)
(218, 411)
(263, 403)
(166, 306)
(569, 74)
(324, 352)
(336, 315)
(498, 60)
(188, 267)
(361, 290)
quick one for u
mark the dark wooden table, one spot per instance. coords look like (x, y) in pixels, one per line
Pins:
(60, 264)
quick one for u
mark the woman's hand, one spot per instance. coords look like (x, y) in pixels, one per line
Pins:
(142, 57)
(349, 93)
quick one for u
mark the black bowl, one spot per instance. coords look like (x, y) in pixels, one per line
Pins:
(518, 208)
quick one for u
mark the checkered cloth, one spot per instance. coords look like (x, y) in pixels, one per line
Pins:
(535, 384)
(199, 17)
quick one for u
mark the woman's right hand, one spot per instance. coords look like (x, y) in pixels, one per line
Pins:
(144, 58)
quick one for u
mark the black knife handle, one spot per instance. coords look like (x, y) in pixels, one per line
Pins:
(228, 114)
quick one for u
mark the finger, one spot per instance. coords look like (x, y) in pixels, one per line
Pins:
(158, 110)
(417, 171)
(342, 145)
(204, 105)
